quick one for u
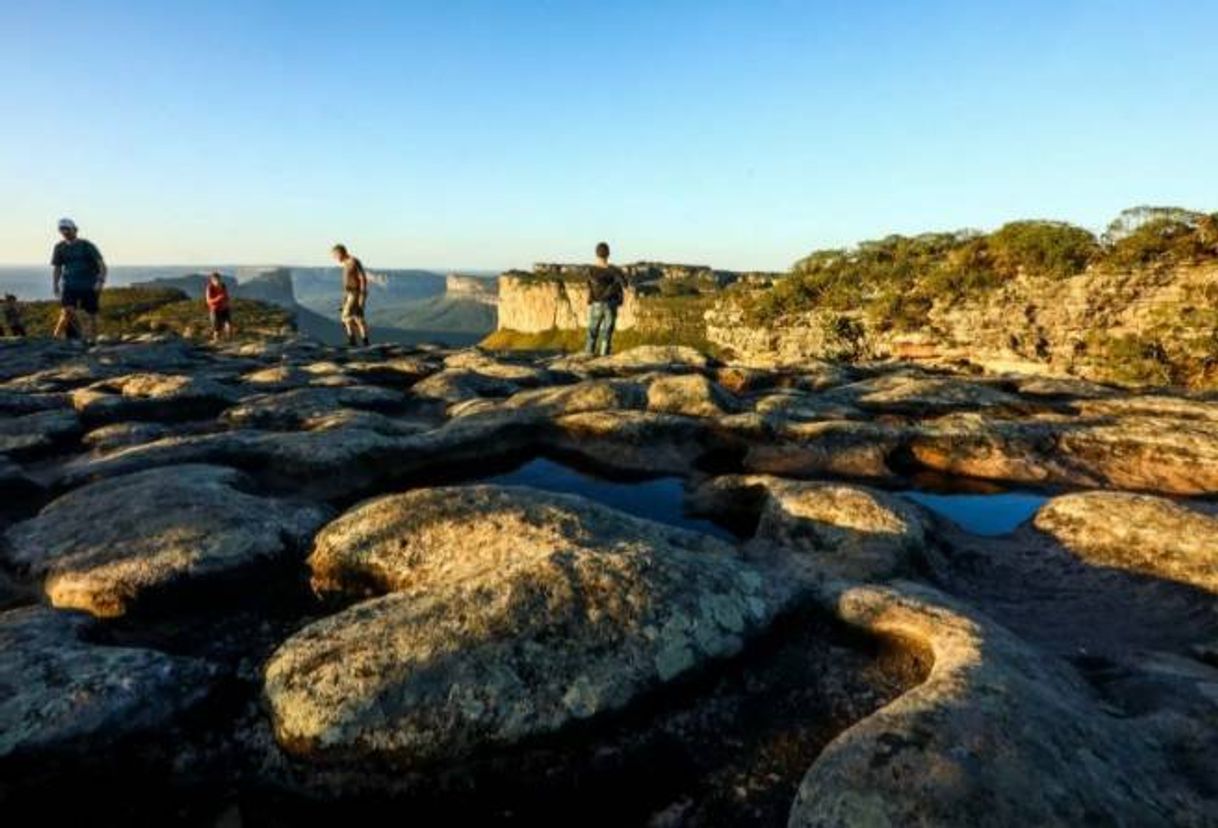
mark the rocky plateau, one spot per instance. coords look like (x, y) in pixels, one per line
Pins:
(276, 582)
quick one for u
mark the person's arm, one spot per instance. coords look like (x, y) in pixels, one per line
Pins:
(57, 272)
(101, 269)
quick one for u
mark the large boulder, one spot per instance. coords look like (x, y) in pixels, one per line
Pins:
(999, 734)
(510, 614)
(62, 696)
(832, 529)
(1136, 533)
(115, 544)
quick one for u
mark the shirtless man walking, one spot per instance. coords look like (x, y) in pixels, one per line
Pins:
(355, 287)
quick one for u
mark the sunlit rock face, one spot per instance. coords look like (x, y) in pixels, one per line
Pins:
(510, 613)
(305, 587)
(821, 529)
(112, 545)
(1136, 533)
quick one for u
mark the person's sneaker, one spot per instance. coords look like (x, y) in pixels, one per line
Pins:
(351, 341)
(366, 342)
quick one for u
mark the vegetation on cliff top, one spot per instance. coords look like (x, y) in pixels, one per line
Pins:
(136, 310)
(894, 280)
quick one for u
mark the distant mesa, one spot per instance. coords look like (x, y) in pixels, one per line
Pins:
(474, 288)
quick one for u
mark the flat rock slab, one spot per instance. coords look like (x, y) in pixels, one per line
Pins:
(454, 385)
(589, 395)
(643, 359)
(111, 545)
(152, 397)
(15, 403)
(31, 435)
(15, 484)
(922, 395)
(845, 448)
(1136, 533)
(120, 435)
(1173, 456)
(690, 395)
(60, 694)
(638, 441)
(289, 409)
(512, 613)
(338, 463)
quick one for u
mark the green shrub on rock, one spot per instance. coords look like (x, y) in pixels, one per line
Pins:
(1043, 248)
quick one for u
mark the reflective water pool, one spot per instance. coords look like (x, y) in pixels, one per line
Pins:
(982, 514)
(662, 499)
(659, 499)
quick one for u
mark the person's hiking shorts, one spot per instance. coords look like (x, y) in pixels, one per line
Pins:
(220, 317)
(353, 306)
(83, 298)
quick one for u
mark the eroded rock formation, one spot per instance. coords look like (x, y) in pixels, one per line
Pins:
(824, 651)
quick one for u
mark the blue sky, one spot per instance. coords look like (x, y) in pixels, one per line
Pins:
(495, 134)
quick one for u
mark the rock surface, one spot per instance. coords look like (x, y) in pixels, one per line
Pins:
(484, 582)
(482, 650)
(60, 694)
(1137, 533)
(109, 546)
(843, 531)
(997, 735)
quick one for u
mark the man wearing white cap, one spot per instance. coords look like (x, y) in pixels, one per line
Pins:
(79, 275)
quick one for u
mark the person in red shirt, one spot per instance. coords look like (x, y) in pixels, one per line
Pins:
(216, 296)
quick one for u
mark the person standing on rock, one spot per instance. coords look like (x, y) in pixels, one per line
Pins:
(355, 288)
(80, 273)
(216, 296)
(606, 290)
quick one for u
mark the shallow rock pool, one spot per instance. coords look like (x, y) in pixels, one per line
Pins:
(660, 499)
(982, 514)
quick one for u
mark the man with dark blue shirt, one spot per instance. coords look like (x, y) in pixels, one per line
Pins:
(78, 277)
(606, 290)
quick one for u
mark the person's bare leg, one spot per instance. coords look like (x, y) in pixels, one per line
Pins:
(61, 326)
(88, 328)
(362, 328)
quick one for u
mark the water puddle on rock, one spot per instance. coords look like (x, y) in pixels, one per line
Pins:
(982, 514)
(660, 499)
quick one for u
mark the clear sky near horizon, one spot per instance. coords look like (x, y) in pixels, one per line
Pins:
(495, 134)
